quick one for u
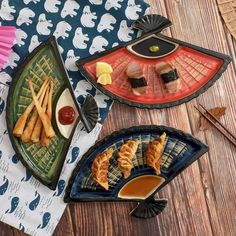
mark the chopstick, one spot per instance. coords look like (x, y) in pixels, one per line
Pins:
(220, 127)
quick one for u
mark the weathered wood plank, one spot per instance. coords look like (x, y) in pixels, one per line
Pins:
(6, 230)
(65, 226)
(219, 190)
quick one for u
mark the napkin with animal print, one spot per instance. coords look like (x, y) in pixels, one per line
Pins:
(82, 28)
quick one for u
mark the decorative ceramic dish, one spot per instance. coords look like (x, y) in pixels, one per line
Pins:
(45, 64)
(196, 68)
(140, 161)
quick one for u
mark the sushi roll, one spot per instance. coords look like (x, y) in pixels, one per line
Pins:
(135, 75)
(170, 77)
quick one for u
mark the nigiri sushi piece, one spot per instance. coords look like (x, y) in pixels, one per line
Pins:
(170, 77)
(135, 75)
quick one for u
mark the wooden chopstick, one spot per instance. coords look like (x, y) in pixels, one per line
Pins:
(218, 121)
(230, 136)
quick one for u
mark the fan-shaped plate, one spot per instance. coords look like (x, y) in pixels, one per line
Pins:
(182, 149)
(45, 163)
(198, 69)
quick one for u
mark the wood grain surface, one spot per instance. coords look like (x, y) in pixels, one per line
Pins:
(202, 200)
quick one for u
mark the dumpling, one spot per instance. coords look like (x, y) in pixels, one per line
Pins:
(126, 156)
(154, 153)
(100, 168)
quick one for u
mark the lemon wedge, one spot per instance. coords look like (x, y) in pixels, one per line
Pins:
(103, 68)
(104, 79)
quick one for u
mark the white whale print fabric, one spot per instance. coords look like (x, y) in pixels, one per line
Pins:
(82, 28)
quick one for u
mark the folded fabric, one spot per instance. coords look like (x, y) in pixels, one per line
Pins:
(82, 28)
(7, 38)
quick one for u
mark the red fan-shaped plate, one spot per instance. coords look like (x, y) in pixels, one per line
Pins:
(198, 69)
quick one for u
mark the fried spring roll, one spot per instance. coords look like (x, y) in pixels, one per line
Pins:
(44, 139)
(26, 136)
(44, 118)
(20, 124)
(38, 126)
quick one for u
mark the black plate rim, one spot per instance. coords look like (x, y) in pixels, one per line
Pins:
(131, 50)
(53, 43)
(203, 148)
(225, 58)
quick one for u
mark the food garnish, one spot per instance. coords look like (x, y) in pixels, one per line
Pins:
(104, 79)
(103, 68)
(103, 73)
(154, 48)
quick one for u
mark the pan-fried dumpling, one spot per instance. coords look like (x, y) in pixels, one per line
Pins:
(126, 156)
(154, 153)
(100, 168)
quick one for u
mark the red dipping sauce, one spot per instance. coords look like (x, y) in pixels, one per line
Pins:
(66, 115)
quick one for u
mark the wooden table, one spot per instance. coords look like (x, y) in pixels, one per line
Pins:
(202, 200)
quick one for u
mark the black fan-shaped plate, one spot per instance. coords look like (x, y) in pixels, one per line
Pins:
(181, 150)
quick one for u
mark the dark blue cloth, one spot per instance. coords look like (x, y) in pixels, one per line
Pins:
(82, 28)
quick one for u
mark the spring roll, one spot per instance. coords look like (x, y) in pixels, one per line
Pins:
(26, 136)
(44, 139)
(44, 118)
(38, 126)
(20, 124)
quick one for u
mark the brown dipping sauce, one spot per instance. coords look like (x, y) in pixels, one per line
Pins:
(141, 187)
(66, 115)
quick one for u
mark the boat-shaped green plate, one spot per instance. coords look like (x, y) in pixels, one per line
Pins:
(180, 151)
(46, 163)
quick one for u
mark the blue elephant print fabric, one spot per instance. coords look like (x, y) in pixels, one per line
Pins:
(82, 28)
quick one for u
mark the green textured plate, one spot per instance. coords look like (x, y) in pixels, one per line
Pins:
(46, 163)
